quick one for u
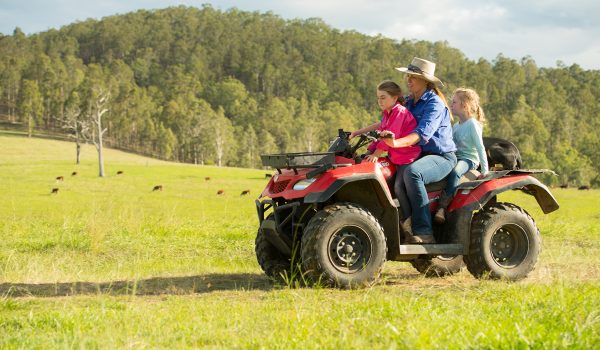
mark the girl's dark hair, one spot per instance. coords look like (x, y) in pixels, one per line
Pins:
(391, 88)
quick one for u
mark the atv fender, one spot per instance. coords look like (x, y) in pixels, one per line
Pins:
(474, 195)
(370, 192)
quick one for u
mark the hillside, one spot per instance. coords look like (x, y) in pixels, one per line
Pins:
(213, 87)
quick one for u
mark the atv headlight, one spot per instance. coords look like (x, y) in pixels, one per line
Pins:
(303, 184)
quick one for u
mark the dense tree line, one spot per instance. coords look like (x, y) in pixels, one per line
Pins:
(213, 87)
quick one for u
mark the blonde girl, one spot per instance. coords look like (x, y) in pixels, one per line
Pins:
(467, 135)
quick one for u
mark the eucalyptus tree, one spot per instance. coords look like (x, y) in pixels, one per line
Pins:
(30, 105)
(96, 95)
(75, 124)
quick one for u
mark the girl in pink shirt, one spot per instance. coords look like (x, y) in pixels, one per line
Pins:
(397, 120)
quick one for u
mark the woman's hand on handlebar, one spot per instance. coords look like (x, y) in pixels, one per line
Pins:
(387, 137)
(371, 158)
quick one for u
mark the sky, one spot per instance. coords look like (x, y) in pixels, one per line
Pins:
(548, 31)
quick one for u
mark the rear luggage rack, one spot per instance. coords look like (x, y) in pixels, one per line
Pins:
(298, 160)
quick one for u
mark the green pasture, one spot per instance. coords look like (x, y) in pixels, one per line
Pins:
(108, 263)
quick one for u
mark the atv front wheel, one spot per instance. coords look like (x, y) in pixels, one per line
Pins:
(343, 245)
(271, 260)
(438, 266)
(505, 243)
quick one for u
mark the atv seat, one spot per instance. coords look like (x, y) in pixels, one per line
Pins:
(441, 185)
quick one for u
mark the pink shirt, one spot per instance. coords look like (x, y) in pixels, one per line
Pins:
(401, 122)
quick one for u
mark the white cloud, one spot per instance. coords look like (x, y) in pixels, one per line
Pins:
(487, 29)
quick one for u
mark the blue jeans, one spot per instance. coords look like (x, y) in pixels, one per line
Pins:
(431, 168)
(462, 166)
(400, 191)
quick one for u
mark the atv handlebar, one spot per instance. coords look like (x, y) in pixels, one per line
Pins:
(342, 146)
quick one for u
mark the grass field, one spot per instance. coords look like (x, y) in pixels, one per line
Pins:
(108, 263)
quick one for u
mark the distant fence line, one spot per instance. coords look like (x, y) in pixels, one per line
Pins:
(18, 128)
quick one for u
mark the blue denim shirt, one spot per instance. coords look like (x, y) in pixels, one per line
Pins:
(433, 123)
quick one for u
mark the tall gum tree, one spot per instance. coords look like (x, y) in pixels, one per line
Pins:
(95, 99)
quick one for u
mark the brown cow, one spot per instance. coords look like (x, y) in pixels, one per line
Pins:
(564, 186)
(54, 190)
(207, 178)
(74, 173)
(157, 188)
(267, 176)
(245, 192)
(220, 192)
(120, 172)
(60, 178)
(584, 187)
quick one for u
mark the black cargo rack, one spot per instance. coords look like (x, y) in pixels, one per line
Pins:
(297, 160)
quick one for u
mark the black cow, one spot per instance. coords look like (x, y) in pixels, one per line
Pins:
(503, 152)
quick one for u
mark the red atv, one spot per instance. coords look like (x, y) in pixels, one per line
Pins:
(335, 217)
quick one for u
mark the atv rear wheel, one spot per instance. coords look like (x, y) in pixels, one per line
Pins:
(343, 245)
(438, 266)
(505, 243)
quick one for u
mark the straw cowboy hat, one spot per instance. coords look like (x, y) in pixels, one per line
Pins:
(422, 68)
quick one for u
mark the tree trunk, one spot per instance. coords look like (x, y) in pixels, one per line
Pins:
(100, 155)
(97, 120)
(219, 143)
(78, 146)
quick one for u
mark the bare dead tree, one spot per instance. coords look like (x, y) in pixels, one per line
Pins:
(77, 127)
(98, 110)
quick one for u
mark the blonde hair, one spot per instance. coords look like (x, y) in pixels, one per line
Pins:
(470, 99)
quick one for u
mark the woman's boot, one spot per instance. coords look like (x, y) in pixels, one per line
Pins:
(407, 229)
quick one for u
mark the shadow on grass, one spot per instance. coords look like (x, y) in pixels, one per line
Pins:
(152, 286)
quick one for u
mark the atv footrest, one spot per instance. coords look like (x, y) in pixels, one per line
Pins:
(432, 249)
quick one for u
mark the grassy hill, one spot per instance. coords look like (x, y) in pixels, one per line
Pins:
(108, 263)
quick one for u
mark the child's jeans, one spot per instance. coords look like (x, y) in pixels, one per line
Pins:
(462, 166)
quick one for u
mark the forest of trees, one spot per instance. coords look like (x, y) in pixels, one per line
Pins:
(212, 87)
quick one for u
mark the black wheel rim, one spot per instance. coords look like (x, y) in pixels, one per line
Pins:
(509, 246)
(349, 249)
